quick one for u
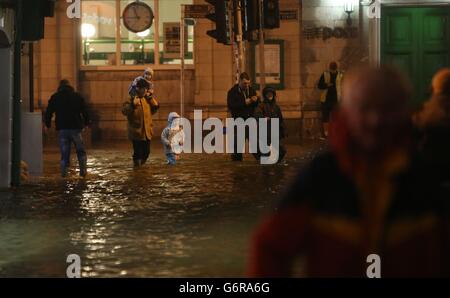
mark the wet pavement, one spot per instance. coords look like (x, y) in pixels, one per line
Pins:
(190, 220)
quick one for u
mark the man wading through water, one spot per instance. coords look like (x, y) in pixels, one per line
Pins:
(71, 118)
(139, 110)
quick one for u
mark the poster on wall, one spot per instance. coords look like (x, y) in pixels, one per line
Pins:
(172, 45)
(273, 57)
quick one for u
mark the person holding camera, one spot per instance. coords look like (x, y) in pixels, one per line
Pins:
(242, 102)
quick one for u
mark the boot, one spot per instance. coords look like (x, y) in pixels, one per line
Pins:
(137, 163)
(64, 171)
(83, 167)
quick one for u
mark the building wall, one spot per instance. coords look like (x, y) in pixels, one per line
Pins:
(57, 57)
(56, 54)
(106, 91)
(215, 70)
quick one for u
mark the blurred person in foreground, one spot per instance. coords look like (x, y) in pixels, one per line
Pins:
(367, 195)
(433, 124)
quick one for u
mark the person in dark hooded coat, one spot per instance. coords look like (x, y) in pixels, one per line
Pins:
(269, 109)
(71, 118)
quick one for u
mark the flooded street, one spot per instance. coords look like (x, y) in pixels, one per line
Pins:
(189, 220)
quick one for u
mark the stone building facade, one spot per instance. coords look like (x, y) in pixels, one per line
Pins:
(207, 81)
(319, 33)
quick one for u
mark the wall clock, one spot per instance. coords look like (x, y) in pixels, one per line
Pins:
(137, 17)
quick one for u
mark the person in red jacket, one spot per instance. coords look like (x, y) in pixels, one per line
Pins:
(367, 195)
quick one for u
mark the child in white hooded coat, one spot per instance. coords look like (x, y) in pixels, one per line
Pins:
(172, 138)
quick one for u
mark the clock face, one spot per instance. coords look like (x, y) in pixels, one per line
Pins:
(137, 17)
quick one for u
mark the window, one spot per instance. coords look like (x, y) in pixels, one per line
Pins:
(169, 14)
(98, 32)
(107, 42)
(137, 48)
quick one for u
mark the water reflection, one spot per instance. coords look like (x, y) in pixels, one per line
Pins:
(190, 220)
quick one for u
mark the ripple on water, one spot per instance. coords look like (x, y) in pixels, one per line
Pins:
(193, 219)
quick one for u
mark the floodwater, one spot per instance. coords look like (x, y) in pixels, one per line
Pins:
(194, 219)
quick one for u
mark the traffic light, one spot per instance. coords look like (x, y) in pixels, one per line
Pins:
(220, 17)
(271, 14)
(48, 8)
(250, 10)
(250, 19)
(33, 19)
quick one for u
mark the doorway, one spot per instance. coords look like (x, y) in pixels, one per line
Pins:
(417, 41)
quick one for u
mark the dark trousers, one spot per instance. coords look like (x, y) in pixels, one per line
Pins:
(238, 156)
(141, 150)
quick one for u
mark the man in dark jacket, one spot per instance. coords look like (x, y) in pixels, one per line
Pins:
(71, 118)
(242, 102)
(269, 109)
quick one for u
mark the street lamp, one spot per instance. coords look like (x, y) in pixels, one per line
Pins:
(349, 8)
(87, 31)
(144, 33)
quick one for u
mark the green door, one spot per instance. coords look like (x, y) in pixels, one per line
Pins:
(416, 40)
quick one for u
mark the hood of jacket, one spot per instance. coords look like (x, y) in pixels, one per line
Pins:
(266, 90)
(172, 116)
(66, 88)
(173, 121)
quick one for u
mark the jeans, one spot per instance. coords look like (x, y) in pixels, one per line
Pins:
(66, 138)
(141, 151)
(171, 158)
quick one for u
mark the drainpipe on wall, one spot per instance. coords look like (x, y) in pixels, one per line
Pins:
(31, 75)
(6, 94)
(16, 146)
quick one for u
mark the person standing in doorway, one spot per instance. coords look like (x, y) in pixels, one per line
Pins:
(71, 118)
(139, 110)
(242, 102)
(330, 86)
